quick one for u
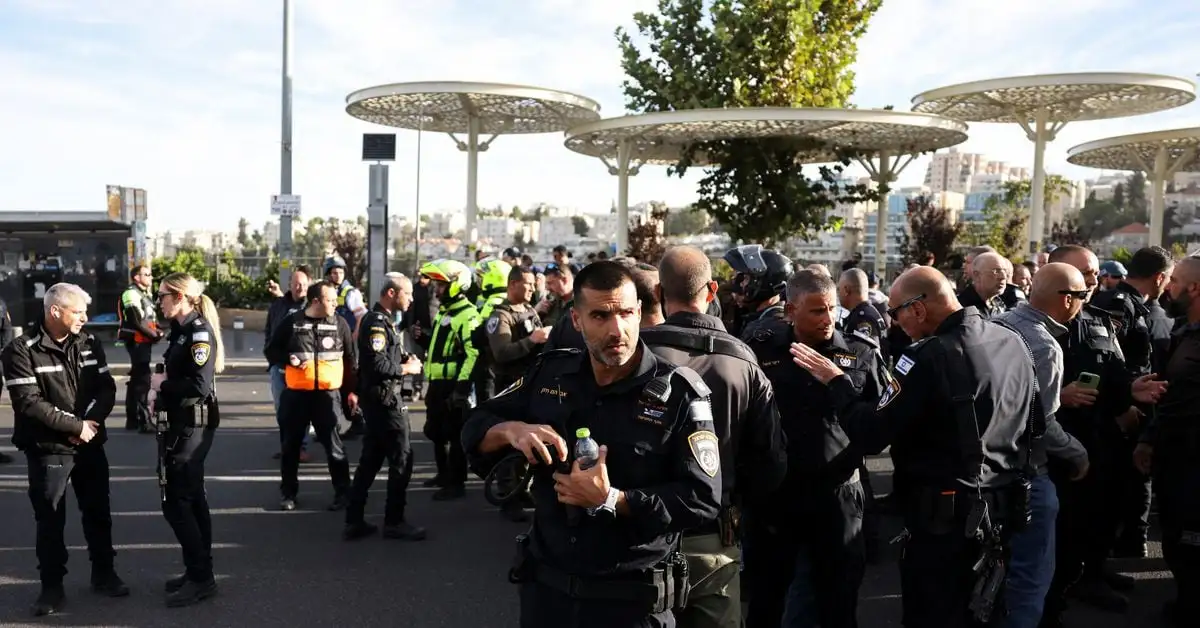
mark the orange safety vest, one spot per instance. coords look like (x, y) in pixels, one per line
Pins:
(314, 355)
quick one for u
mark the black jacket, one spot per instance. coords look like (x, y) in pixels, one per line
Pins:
(190, 364)
(281, 310)
(55, 388)
(753, 452)
(381, 360)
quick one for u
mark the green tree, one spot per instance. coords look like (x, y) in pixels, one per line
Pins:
(1069, 231)
(1004, 227)
(242, 238)
(581, 226)
(751, 53)
(1135, 195)
(1122, 255)
(516, 213)
(347, 240)
(645, 242)
(931, 229)
(519, 239)
(688, 221)
(1118, 197)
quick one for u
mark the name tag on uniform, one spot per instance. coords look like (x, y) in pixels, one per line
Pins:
(1100, 330)
(528, 326)
(845, 360)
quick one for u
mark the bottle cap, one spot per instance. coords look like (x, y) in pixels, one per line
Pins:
(583, 432)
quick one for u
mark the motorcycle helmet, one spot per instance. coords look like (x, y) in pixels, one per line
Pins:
(761, 273)
(332, 262)
(492, 274)
(451, 272)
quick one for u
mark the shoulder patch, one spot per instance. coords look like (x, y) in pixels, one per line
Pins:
(845, 360)
(201, 351)
(201, 336)
(493, 324)
(904, 365)
(890, 393)
(378, 341)
(706, 449)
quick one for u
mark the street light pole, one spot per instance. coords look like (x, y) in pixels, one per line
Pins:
(285, 152)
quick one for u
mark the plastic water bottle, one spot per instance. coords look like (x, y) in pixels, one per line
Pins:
(587, 451)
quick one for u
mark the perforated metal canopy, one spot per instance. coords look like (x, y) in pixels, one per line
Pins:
(1067, 97)
(822, 134)
(448, 106)
(1139, 151)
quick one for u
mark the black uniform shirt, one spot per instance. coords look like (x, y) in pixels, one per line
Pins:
(914, 415)
(767, 316)
(753, 453)
(1090, 346)
(1127, 310)
(821, 452)
(190, 363)
(381, 359)
(1174, 428)
(54, 388)
(662, 452)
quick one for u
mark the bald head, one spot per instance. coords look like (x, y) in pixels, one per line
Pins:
(1053, 278)
(1188, 270)
(683, 274)
(923, 280)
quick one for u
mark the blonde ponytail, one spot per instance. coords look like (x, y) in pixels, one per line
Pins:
(208, 310)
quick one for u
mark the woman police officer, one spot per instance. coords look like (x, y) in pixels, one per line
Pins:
(185, 393)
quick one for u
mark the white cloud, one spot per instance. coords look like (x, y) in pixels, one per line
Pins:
(182, 98)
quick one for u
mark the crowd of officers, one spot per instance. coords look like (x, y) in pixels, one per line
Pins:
(1025, 414)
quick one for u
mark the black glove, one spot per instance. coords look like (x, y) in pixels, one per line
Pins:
(461, 398)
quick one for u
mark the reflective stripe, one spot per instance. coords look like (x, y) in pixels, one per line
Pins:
(329, 356)
(103, 369)
(326, 327)
(200, 336)
(86, 352)
(303, 356)
(89, 363)
(31, 341)
(22, 381)
(48, 369)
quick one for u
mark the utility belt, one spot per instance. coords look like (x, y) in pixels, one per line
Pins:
(206, 414)
(935, 511)
(727, 525)
(659, 589)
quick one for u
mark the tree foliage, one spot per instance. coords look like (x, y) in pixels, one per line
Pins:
(688, 221)
(646, 243)
(1069, 231)
(751, 53)
(931, 230)
(579, 223)
(347, 239)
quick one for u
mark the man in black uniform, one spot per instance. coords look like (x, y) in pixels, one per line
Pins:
(602, 551)
(1093, 413)
(957, 415)
(863, 318)
(6, 336)
(1170, 447)
(62, 391)
(515, 333)
(753, 456)
(381, 364)
(758, 286)
(1144, 331)
(806, 556)
(138, 331)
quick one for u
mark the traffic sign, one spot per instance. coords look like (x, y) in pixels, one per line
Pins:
(285, 205)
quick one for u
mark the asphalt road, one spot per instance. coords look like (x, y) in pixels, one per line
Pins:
(293, 569)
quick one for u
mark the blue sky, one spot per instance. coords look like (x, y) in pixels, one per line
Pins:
(182, 97)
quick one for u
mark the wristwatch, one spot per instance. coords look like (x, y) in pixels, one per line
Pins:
(610, 503)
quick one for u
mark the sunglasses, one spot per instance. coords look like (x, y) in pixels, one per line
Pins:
(1075, 294)
(892, 312)
(163, 295)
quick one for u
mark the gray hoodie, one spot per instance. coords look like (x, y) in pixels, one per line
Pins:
(1039, 332)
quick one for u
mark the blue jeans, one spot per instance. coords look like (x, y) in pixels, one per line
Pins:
(277, 388)
(1031, 567)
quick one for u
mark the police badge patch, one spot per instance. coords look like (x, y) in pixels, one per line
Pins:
(493, 324)
(706, 450)
(890, 393)
(327, 342)
(200, 353)
(378, 342)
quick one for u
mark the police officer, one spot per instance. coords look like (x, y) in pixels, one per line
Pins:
(1144, 332)
(318, 348)
(450, 369)
(557, 315)
(61, 392)
(381, 364)
(138, 331)
(863, 318)
(186, 394)
(943, 417)
(515, 332)
(1097, 396)
(602, 551)
(351, 306)
(6, 337)
(753, 458)
(1170, 447)
(492, 277)
(761, 275)
(807, 543)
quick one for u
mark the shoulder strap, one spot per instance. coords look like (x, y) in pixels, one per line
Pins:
(694, 381)
(1035, 423)
(706, 343)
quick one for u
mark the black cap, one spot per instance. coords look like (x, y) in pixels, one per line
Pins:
(511, 251)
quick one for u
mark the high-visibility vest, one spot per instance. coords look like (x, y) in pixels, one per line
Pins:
(135, 298)
(343, 311)
(314, 355)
